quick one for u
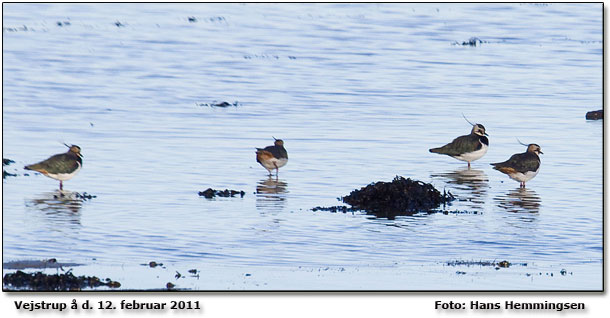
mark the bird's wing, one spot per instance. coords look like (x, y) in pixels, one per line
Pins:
(60, 163)
(521, 162)
(459, 145)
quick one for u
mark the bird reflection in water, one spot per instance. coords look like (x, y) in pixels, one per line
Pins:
(469, 184)
(270, 193)
(58, 206)
(521, 200)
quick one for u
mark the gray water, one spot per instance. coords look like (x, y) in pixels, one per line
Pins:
(358, 93)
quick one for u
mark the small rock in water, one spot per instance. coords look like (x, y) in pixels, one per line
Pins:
(192, 19)
(210, 193)
(223, 104)
(113, 284)
(504, 264)
(154, 264)
(595, 114)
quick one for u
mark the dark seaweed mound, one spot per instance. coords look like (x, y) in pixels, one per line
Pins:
(399, 197)
(42, 282)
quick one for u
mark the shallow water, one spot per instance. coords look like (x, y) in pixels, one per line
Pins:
(358, 92)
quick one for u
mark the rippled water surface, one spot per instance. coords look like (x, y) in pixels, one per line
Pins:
(358, 92)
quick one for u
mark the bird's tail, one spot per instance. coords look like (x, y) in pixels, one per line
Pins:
(498, 166)
(437, 150)
(35, 167)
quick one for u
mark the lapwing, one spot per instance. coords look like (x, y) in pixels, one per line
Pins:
(272, 157)
(60, 167)
(468, 147)
(521, 167)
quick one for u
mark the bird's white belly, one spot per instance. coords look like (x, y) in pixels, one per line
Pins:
(64, 176)
(472, 156)
(524, 177)
(274, 162)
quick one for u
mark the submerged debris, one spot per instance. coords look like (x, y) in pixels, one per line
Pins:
(73, 196)
(503, 264)
(262, 56)
(473, 41)
(455, 212)
(219, 104)
(39, 281)
(6, 162)
(7, 174)
(84, 196)
(334, 209)
(217, 19)
(399, 197)
(210, 193)
(595, 114)
(268, 57)
(16, 29)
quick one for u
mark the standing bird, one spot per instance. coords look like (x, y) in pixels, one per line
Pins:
(60, 167)
(272, 157)
(521, 167)
(468, 147)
